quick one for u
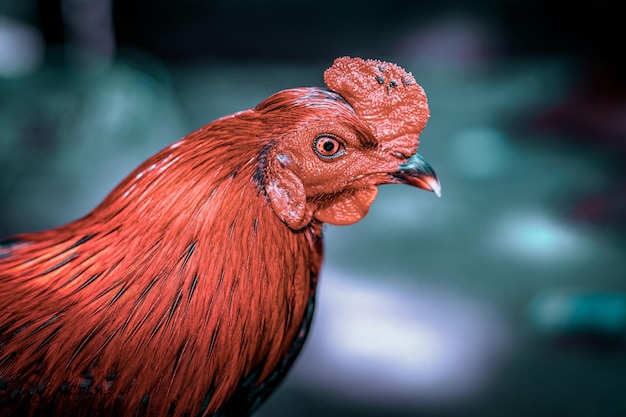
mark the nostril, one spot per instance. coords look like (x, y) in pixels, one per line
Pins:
(400, 155)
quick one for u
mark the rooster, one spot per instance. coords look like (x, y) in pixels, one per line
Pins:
(190, 289)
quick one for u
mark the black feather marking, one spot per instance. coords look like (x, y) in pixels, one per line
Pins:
(156, 328)
(118, 295)
(171, 409)
(141, 323)
(231, 295)
(192, 289)
(136, 304)
(59, 265)
(49, 338)
(115, 265)
(6, 245)
(207, 400)
(73, 277)
(259, 172)
(106, 342)
(65, 388)
(84, 341)
(289, 303)
(255, 225)
(86, 382)
(190, 249)
(115, 229)
(251, 379)
(43, 325)
(175, 304)
(179, 355)
(148, 288)
(221, 280)
(231, 230)
(6, 359)
(214, 336)
(81, 241)
(6, 242)
(105, 292)
(86, 283)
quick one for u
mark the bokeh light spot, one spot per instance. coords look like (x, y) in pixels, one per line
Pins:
(537, 236)
(400, 344)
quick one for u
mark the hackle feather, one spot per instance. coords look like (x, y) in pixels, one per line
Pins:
(185, 260)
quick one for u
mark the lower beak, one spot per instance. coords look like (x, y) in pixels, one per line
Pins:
(418, 173)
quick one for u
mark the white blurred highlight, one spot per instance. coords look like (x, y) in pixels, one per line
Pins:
(21, 48)
(393, 343)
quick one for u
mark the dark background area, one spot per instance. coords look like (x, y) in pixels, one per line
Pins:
(506, 297)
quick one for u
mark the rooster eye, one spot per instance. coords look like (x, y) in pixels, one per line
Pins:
(328, 147)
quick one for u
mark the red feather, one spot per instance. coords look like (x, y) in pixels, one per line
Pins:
(177, 265)
(188, 290)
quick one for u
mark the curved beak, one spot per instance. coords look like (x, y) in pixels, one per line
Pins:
(418, 173)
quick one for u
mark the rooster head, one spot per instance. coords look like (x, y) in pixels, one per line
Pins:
(337, 145)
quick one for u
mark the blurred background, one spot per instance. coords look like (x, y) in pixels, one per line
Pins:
(506, 297)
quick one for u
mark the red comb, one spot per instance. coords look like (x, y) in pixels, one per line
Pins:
(383, 94)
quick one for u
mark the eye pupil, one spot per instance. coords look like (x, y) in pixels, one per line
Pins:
(329, 146)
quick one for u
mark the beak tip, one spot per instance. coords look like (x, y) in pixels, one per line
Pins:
(437, 190)
(435, 186)
(430, 184)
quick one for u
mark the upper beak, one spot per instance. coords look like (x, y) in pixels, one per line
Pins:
(417, 172)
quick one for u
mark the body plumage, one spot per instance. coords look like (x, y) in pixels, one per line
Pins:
(190, 289)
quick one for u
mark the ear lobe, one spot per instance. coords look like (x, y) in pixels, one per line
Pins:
(348, 207)
(288, 199)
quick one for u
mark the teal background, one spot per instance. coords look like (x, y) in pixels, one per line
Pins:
(505, 297)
